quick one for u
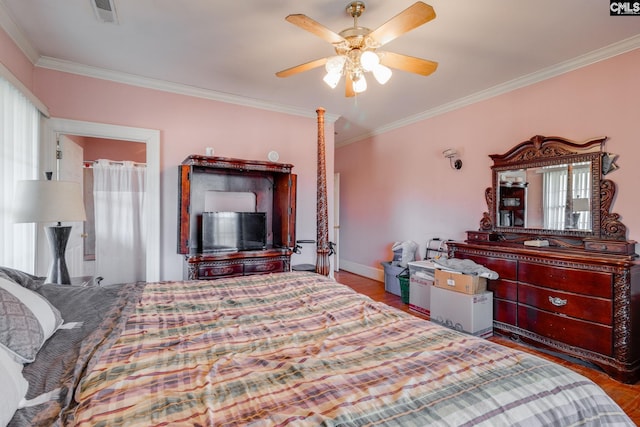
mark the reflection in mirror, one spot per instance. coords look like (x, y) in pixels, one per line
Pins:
(556, 197)
(512, 199)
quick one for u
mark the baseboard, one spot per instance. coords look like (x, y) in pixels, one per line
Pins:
(362, 270)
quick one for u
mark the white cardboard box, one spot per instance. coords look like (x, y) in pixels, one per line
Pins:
(420, 284)
(472, 314)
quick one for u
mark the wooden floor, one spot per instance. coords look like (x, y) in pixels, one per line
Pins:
(627, 396)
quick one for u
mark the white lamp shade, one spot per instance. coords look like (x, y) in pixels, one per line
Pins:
(580, 204)
(48, 201)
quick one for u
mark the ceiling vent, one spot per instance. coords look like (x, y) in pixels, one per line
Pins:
(105, 10)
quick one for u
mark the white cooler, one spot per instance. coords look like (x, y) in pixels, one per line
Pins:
(421, 278)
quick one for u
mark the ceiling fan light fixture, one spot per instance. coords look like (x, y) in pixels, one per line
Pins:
(382, 74)
(356, 48)
(369, 60)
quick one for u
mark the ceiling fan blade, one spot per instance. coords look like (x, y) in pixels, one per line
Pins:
(302, 67)
(412, 17)
(408, 63)
(348, 86)
(308, 24)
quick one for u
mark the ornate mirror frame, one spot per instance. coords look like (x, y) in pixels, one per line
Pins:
(607, 233)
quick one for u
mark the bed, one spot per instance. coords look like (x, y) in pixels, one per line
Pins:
(280, 349)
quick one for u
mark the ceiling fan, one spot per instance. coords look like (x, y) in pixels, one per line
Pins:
(356, 48)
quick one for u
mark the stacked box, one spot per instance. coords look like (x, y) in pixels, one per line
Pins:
(470, 313)
(421, 278)
(459, 282)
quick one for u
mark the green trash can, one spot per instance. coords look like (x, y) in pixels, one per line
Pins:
(403, 278)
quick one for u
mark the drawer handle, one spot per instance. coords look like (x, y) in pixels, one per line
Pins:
(558, 302)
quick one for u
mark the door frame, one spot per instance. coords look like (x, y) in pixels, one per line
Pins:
(55, 126)
(336, 220)
(70, 169)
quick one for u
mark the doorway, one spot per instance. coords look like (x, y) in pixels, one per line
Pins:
(55, 127)
(113, 247)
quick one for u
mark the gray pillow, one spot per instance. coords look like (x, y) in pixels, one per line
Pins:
(27, 280)
(27, 320)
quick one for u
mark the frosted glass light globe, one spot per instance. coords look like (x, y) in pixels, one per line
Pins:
(360, 84)
(369, 60)
(335, 64)
(382, 73)
(332, 79)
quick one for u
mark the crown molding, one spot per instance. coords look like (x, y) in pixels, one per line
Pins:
(590, 58)
(11, 78)
(18, 37)
(180, 89)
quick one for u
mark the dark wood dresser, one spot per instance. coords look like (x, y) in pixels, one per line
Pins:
(272, 189)
(582, 304)
(569, 279)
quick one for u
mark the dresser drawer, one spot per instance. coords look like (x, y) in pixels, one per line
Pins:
(505, 311)
(612, 246)
(593, 283)
(222, 270)
(574, 332)
(503, 289)
(598, 310)
(274, 266)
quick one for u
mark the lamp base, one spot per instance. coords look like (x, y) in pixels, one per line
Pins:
(575, 217)
(58, 237)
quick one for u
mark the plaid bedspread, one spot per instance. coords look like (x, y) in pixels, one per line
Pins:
(299, 349)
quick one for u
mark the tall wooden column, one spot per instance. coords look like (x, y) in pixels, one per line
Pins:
(322, 238)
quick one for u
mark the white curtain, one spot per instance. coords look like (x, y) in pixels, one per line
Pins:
(582, 189)
(119, 198)
(554, 182)
(555, 195)
(19, 131)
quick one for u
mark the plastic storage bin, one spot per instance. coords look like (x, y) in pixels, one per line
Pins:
(391, 280)
(403, 279)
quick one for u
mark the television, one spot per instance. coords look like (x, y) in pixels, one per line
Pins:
(233, 231)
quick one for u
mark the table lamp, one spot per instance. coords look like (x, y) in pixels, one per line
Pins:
(579, 204)
(51, 201)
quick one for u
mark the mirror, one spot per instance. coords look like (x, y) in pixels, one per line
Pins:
(554, 197)
(547, 186)
(551, 191)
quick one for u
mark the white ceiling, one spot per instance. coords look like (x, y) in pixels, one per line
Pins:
(231, 50)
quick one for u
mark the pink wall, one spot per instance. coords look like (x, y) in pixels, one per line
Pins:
(397, 186)
(113, 149)
(187, 125)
